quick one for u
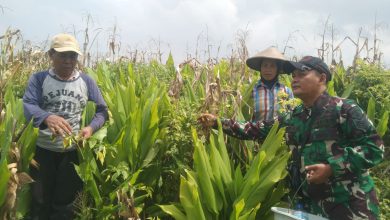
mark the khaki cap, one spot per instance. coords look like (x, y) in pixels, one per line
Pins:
(64, 43)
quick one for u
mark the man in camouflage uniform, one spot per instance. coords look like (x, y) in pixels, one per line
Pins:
(333, 145)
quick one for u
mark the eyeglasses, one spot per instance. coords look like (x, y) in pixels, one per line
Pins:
(67, 55)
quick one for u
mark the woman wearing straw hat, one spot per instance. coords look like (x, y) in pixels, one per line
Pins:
(265, 93)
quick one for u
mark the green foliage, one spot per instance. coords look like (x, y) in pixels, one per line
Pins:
(147, 153)
(215, 189)
(119, 162)
(17, 145)
(371, 82)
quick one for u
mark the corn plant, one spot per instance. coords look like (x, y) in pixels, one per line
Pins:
(381, 127)
(215, 189)
(17, 144)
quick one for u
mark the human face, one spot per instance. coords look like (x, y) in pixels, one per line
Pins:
(268, 69)
(307, 84)
(64, 63)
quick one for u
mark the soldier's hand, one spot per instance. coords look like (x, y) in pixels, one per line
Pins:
(318, 173)
(207, 120)
(58, 125)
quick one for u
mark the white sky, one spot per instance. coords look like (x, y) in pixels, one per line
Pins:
(182, 26)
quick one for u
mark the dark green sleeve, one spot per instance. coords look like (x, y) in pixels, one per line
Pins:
(363, 148)
(246, 130)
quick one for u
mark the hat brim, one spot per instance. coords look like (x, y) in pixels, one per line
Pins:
(290, 66)
(255, 62)
(67, 49)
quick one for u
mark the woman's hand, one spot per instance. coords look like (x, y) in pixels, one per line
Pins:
(207, 120)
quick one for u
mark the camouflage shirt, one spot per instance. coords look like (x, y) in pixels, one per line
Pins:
(333, 131)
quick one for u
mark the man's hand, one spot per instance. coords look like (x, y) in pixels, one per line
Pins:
(318, 173)
(207, 120)
(58, 125)
(86, 132)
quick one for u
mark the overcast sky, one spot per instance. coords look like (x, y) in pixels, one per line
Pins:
(181, 26)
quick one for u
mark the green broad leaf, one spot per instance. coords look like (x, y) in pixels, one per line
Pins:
(88, 113)
(130, 70)
(23, 201)
(223, 165)
(189, 198)
(238, 181)
(223, 150)
(269, 142)
(203, 168)
(151, 154)
(238, 208)
(170, 63)
(90, 183)
(100, 134)
(371, 109)
(27, 142)
(247, 101)
(4, 178)
(251, 214)
(269, 177)
(383, 123)
(174, 212)
(120, 112)
(252, 176)
(347, 91)
(6, 128)
(216, 166)
(124, 93)
(190, 94)
(274, 198)
(273, 142)
(330, 88)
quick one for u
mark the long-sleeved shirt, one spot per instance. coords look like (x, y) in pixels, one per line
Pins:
(47, 94)
(333, 131)
(265, 100)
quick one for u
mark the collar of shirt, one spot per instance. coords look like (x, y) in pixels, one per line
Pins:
(321, 102)
(262, 84)
(74, 75)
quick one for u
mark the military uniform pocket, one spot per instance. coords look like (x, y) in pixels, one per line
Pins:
(324, 134)
(319, 191)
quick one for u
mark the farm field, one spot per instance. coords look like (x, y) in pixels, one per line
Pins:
(152, 160)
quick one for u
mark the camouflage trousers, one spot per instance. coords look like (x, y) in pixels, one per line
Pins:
(366, 207)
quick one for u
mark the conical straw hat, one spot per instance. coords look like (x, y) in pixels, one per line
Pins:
(269, 53)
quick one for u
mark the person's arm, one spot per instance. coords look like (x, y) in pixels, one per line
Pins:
(95, 95)
(246, 130)
(240, 130)
(32, 99)
(363, 146)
